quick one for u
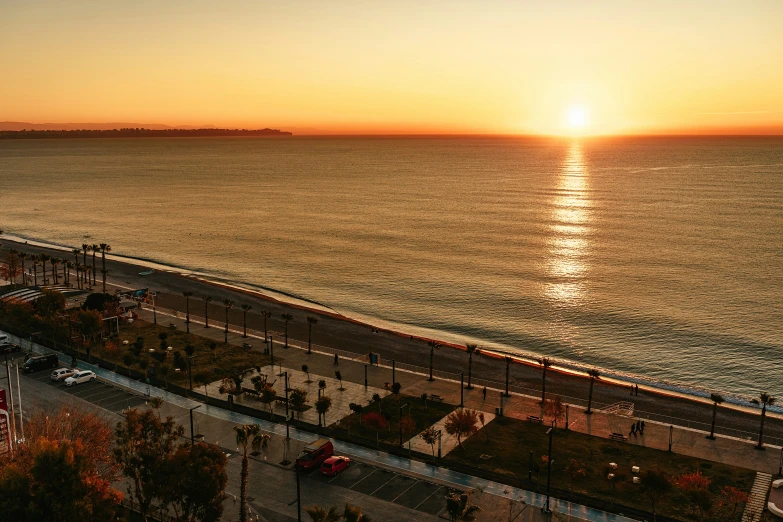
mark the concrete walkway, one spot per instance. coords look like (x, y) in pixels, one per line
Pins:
(685, 441)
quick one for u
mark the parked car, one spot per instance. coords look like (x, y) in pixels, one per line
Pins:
(62, 373)
(40, 362)
(9, 348)
(315, 453)
(80, 377)
(334, 465)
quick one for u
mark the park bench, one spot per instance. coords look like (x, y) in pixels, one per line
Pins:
(534, 418)
(172, 326)
(434, 397)
(618, 437)
(247, 345)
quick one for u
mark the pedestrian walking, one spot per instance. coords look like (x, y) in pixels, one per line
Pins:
(336, 359)
(637, 389)
(642, 428)
(639, 426)
(632, 390)
(485, 393)
(633, 430)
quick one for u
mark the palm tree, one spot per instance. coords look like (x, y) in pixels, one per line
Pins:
(266, 314)
(354, 514)
(54, 262)
(470, 348)
(12, 275)
(594, 374)
(94, 248)
(459, 508)
(23, 256)
(76, 253)
(433, 345)
(245, 309)
(764, 400)
(105, 247)
(206, 299)
(319, 514)
(716, 399)
(85, 249)
(247, 435)
(187, 295)
(311, 321)
(229, 304)
(508, 374)
(35, 259)
(287, 317)
(68, 265)
(44, 258)
(545, 363)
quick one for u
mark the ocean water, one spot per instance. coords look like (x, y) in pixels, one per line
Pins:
(655, 258)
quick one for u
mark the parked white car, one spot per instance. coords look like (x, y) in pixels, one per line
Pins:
(63, 373)
(80, 377)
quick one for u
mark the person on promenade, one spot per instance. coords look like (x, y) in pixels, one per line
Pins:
(336, 359)
(485, 393)
(641, 428)
(637, 389)
(638, 426)
(632, 390)
(633, 431)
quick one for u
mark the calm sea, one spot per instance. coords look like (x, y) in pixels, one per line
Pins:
(660, 259)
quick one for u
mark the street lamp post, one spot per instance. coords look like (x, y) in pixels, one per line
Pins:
(461, 390)
(549, 432)
(440, 439)
(401, 407)
(272, 352)
(192, 436)
(287, 434)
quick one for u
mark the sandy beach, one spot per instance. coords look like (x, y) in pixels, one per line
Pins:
(336, 331)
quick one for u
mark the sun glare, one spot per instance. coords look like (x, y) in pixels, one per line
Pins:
(577, 118)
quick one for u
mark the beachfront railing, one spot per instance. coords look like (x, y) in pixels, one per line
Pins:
(479, 382)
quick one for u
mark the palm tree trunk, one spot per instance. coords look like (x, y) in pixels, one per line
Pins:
(35, 274)
(432, 358)
(761, 429)
(243, 490)
(187, 314)
(714, 414)
(543, 386)
(309, 337)
(103, 273)
(244, 324)
(206, 315)
(94, 273)
(226, 331)
(508, 372)
(590, 397)
(470, 369)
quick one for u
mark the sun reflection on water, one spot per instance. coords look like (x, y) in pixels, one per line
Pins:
(568, 244)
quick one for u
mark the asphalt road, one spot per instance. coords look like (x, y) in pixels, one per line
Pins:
(382, 494)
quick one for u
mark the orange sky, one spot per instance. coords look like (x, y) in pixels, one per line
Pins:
(398, 67)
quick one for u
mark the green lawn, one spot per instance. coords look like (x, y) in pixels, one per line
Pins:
(215, 364)
(510, 442)
(423, 416)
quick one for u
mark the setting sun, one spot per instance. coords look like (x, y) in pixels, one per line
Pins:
(577, 118)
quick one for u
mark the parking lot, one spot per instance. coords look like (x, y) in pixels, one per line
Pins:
(389, 486)
(101, 394)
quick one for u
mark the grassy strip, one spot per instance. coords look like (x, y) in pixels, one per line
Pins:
(504, 447)
(423, 415)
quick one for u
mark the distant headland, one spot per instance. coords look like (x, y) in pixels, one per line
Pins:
(138, 133)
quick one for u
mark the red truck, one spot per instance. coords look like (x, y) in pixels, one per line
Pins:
(314, 454)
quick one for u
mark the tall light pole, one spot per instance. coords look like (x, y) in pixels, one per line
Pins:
(401, 407)
(192, 436)
(549, 432)
(287, 433)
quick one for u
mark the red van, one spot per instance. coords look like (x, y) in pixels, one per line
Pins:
(315, 453)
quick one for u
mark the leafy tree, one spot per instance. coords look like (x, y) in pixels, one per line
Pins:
(357, 409)
(554, 408)
(408, 427)
(459, 508)
(655, 485)
(322, 385)
(731, 502)
(430, 436)
(696, 488)
(268, 396)
(339, 377)
(144, 444)
(322, 406)
(213, 348)
(298, 398)
(319, 514)
(396, 387)
(50, 303)
(196, 483)
(424, 398)
(482, 420)
(376, 398)
(91, 323)
(98, 301)
(461, 423)
(164, 370)
(306, 369)
(377, 422)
